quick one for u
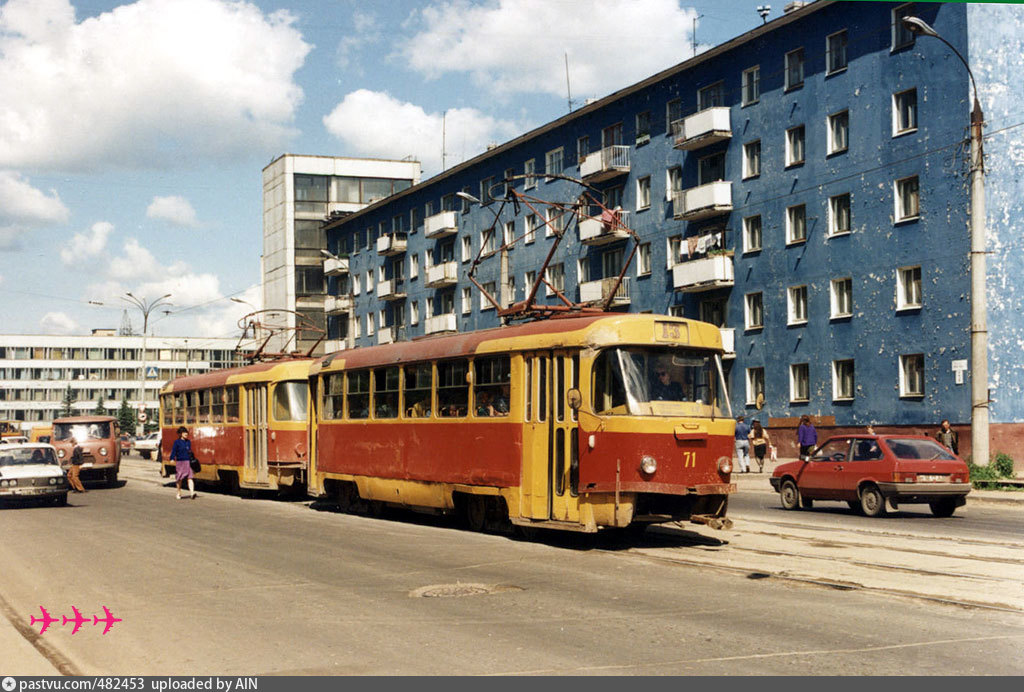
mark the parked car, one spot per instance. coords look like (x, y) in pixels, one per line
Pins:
(13, 440)
(148, 444)
(867, 471)
(126, 441)
(31, 472)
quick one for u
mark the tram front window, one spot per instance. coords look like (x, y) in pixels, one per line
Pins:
(290, 401)
(641, 381)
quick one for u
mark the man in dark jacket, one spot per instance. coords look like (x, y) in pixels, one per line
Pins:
(948, 437)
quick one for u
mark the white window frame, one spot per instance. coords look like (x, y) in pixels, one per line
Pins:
(370, 327)
(750, 225)
(369, 281)
(357, 328)
(901, 189)
(508, 233)
(414, 267)
(751, 164)
(750, 302)
(554, 162)
(414, 312)
(912, 375)
(898, 127)
(835, 146)
(840, 291)
(641, 136)
(750, 85)
(673, 107)
(796, 305)
(491, 288)
(791, 218)
(467, 300)
(555, 220)
(467, 248)
(792, 144)
(643, 261)
(488, 245)
(799, 378)
(643, 193)
(485, 190)
(673, 177)
(830, 67)
(582, 148)
(530, 170)
(909, 289)
(673, 249)
(835, 215)
(583, 270)
(529, 278)
(839, 367)
(357, 284)
(896, 26)
(755, 384)
(530, 233)
(555, 275)
(796, 52)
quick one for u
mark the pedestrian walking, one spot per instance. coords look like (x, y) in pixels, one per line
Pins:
(806, 436)
(759, 441)
(74, 479)
(181, 455)
(947, 437)
(743, 444)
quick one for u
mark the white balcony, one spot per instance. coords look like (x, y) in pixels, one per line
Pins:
(603, 229)
(391, 244)
(389, 335)
(598, 291)
(703, 201)
(703, 274)
(391, 290)
(335, 304)
(728, 342)
(605, 164)
(440, 323)
(440, 225)
(332, 345)
(441, 275)
(335, 266)
(702, 129)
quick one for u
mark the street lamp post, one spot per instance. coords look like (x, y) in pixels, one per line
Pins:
(146, 308)
(979, 319)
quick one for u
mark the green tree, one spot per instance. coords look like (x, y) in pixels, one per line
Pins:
(100, 409)
(126, 417)
(69, 399)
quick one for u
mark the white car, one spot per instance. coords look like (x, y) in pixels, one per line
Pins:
(147, 445)
(30, 471)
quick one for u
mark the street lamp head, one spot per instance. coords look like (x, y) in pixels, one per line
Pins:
(468, 197)
(916, 25)
(328, 254)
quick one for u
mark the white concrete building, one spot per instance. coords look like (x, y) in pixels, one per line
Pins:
(299, 193)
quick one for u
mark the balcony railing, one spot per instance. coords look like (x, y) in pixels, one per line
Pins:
(441, 275)
(336, 304)
(703, 274)
(605, 164)
(440, 225)
(728, 342)
(440, 323)
(391, 290)
(389, 335)
(332, 345)
(598, 291)
(703, 201)
(391, 244)
(606, 227)
(335, 266)
(702, 129)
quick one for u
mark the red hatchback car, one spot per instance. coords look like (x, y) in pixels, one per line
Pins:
(868, 470)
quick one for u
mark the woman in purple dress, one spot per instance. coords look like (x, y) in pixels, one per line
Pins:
(181, 455)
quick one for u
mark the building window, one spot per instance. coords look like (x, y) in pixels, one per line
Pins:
(508, 233)
(799, 382)
(794, 69)
(466, 204)
(673, 182)
(489, 290)
(753, 311)
(583, 269)
(643, 127)
(555, 276)
(796, 224)
(755, 385)
(838, 132)
(529, 168)
(467, 249)
(467, 299)
(485, 190)
(752, 233)
(796, 302)
(901, 35)
(908, 201)
(414, 312)
(553, 162)
(835, 52)
(839, 214)
(529, 279)
(487, 242)
(752, 159)
(369, 281)
(643, 263)
(711, 169)
(531, 229)
(711, 96)
(908, 288)
(904, 112)
(508, 182)
(795, 146)
(414, 267)
(674, 254)
(582, 148)
(673, 112)
(555, 222)
(751, 85)
(912, 375)
(842, 379)
(841, 295)
(643, 192)
(370, 327)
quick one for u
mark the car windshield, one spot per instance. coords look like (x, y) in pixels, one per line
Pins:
(27, 455)
(80, 432)
(909, 448)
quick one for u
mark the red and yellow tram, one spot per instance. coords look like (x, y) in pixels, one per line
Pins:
(578, 423)
(248, 425)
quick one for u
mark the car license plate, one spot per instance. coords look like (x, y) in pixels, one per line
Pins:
(932, 478)
(86, 464)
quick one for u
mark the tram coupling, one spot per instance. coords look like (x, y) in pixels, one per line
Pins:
(714, 522)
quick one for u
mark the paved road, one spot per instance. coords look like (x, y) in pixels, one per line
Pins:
(233, 586)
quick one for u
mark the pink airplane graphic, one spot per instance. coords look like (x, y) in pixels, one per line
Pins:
(79, 620)
(46, 620)
(109, 619)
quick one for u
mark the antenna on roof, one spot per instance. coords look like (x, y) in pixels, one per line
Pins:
(568, 91)
(764, 10)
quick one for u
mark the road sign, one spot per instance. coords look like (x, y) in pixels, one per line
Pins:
(143, 417)
(151, 373)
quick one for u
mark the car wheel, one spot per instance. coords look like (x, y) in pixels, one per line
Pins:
(789, 495)
(944, 507)
(871, 501)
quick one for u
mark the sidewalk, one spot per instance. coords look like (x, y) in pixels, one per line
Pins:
(756, 481)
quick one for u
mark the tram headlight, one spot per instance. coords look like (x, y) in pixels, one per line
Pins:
(724, 465)
(648, 464)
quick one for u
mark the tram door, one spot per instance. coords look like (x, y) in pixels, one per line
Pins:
(256, 430)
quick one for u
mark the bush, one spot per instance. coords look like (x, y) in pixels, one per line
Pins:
(1003, 465)
(982, 473)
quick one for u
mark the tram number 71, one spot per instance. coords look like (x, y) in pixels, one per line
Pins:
(689, 460)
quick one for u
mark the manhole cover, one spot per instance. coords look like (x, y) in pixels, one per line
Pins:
(456, 590)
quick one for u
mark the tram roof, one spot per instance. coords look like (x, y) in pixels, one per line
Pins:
(218, 378)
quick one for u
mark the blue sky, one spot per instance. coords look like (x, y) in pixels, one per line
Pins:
(132, 135)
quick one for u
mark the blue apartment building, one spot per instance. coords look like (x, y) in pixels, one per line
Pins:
(803, 186)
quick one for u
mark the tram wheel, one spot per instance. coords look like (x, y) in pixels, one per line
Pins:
(347, 496)
(476, 512)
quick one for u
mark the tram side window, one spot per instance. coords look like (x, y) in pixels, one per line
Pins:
(166, 412)
(452, 388)
(178, 404)
(204, 406)
(492, 382)
(417, 390)
(609, 391)
(231, 404)
(191, 403)
(290, 399)
(359, 394)
(334, 396)
(385, 393)
(217, 405)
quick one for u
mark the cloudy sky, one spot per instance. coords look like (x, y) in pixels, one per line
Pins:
(132, 136)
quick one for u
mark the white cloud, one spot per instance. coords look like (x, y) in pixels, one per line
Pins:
(134, 262)
(58, 323)
(153, 82)
(364, 31)
(88, 244)
(24, 207)
(515, 46)
(174, 209)
(372, 123)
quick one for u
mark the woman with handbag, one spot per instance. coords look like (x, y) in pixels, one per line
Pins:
(181, 455)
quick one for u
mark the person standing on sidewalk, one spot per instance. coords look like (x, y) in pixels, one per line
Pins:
(181, 455)
(759, 441)
(74, 479)
(947, 437)
(743, 444)
(806, 436)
